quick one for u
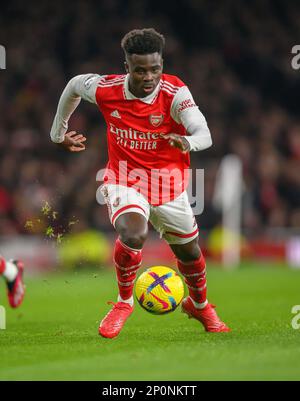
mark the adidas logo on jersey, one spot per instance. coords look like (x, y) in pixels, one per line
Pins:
(115, 113)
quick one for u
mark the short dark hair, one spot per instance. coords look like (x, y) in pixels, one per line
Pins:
(143, 41)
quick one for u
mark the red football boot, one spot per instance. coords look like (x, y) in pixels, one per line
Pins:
(207, 316)
(114, 321)
(16, 289)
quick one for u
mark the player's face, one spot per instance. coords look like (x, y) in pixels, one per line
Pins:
(144, 73)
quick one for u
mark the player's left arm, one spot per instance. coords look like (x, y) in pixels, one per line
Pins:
(184, 111)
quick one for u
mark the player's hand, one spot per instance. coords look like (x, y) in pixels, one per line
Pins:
(178, 141)
(73, 142)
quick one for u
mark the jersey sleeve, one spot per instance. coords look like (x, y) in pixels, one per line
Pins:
(183, 100)
(86, 85)
(79, 87)
(184, 111)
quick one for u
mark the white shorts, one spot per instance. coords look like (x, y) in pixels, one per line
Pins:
(174, 220)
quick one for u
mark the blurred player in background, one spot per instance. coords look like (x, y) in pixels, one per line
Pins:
(152, 125)
(12, 272)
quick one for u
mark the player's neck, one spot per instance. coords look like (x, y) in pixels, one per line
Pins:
(134, 92)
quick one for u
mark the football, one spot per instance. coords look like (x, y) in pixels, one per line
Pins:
(159, 290)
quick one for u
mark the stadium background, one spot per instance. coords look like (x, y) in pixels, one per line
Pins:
(235, 58)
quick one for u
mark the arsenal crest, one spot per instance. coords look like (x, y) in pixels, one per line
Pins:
(156, 119)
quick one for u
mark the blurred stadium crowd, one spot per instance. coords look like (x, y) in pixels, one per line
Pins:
(234, 56)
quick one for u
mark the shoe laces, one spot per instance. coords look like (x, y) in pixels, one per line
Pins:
(119, 305)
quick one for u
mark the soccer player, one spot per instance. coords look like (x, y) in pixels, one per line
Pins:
(12, 271)
(152, 125)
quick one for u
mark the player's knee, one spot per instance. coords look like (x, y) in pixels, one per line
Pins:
(191, 255)
(134, 239)
(189, 252)
(132, 229)
(195, 254)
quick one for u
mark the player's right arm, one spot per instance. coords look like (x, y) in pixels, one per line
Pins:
(79, 87)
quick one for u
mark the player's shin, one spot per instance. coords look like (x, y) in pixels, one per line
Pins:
(195, 277)
(127, 262)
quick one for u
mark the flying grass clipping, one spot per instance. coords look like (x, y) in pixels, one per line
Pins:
(48, 222)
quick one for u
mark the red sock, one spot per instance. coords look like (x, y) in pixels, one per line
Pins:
(195, 278)
(2, 265)
(127, 262)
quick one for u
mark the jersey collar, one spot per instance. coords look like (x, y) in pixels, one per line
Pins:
(129, 96)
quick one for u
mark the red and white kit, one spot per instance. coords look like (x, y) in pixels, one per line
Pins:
(144, 173)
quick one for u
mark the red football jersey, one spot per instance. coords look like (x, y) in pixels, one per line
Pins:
(139, 155)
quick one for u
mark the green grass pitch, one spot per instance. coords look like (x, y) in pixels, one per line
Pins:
(54, 336)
